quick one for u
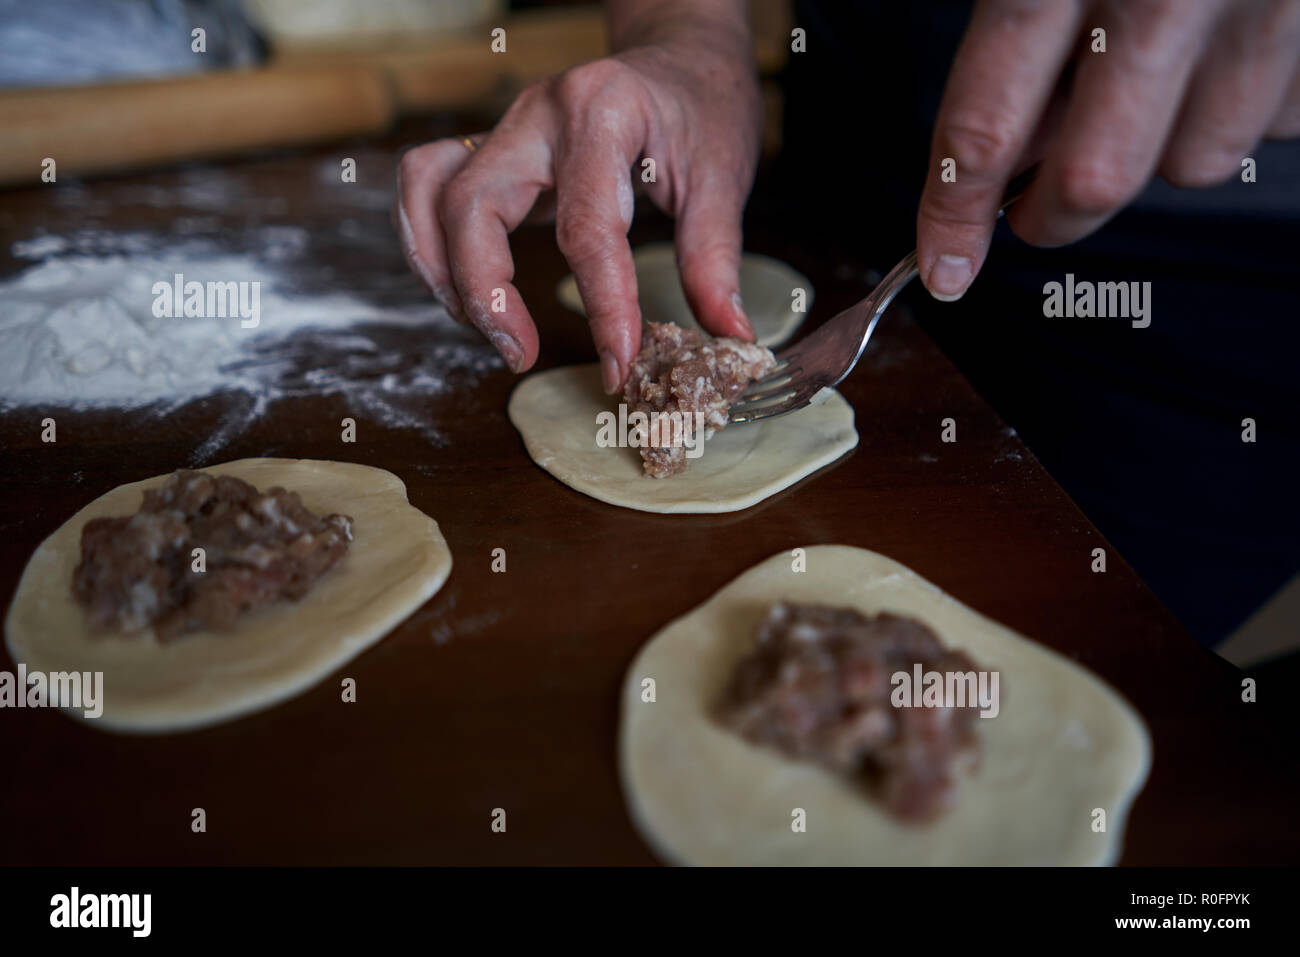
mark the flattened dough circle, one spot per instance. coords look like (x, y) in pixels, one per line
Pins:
(397, 561)
(766, 285)
(1063, 743)
(555, 412)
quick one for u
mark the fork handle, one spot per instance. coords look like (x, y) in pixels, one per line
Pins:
(863, 317)
(1016, 188)
(907, 269)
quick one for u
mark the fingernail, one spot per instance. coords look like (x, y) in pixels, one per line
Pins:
(451, 302)
(949, 278)
(503, 343)
(407, 236)
(426, 274)
(508, 348)
(610, 372)
(738, 306)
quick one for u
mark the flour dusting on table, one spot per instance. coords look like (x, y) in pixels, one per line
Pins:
(80, 332)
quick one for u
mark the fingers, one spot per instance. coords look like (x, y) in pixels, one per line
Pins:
(594, 206)
(575, 137)
(488, 198)
(1239, 88)
(1122, 106)
(708, 244)
(421, 175)
(1002, 80)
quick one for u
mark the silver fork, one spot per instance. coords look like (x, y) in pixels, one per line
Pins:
(805, 373)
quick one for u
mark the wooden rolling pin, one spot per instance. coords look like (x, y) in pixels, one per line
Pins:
(302, 97)
(305, 95)
(97, 129)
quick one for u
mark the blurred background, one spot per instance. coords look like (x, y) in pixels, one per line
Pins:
(116, 85)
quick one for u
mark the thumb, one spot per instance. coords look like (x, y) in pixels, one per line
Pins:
(708, 256)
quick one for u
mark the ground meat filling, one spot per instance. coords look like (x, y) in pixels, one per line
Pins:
(817, 687)
(684, 371)
(259, 547)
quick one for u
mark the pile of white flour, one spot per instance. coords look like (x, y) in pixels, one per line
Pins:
(79, 332)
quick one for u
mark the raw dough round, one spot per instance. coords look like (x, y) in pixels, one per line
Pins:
(555, 412)
(1063, 743)
(396, 561)
(766, 286)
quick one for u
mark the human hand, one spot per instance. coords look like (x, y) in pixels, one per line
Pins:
(687, 98)
(1184, 90)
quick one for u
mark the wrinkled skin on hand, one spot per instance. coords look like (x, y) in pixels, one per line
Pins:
(1183, 89)
(573, 145)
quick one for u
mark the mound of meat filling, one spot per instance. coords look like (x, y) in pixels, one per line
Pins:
(817, 687)
(259, 547)
(684, 371)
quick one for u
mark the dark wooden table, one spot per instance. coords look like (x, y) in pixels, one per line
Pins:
(502, 691)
